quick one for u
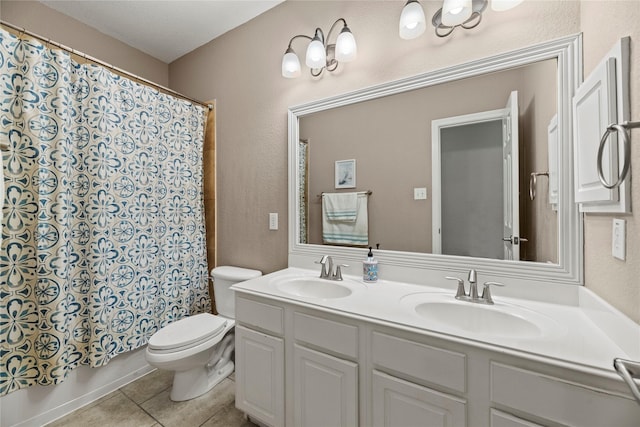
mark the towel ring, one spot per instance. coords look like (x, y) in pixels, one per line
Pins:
(622, 129)
(533, 182)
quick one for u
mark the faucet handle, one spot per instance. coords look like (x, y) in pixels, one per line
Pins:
(486, 292)
(325, 270)
(338, 273)
(473, 276)
(460, 293)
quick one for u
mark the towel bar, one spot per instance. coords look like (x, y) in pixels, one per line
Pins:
(369, 192)
(622, 129)
(629, 370)
(4, 146)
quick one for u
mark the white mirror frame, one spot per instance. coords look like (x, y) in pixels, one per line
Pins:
(569, 270)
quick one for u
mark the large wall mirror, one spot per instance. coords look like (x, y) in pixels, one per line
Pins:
(471, 136)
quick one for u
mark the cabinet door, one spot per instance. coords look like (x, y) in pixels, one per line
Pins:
(399, 403)
(260, 376)
(325, 389)
(602, 99)
(594, 108)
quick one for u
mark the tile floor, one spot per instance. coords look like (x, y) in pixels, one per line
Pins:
(145, 403)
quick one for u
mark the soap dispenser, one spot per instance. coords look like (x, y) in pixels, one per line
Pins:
(370, 268)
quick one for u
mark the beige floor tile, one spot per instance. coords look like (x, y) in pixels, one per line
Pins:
(117, 410)
(148, 386)
(190, 413)
(229, 416)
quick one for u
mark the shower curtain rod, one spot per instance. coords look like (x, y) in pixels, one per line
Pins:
(104, 64)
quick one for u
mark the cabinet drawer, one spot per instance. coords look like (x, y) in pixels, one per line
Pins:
(559, 400)
(327, 334)
(423, 362)
(260, 315)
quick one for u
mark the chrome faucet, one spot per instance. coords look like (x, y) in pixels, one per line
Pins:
(326, 268)
(472, 296)
(473, 284)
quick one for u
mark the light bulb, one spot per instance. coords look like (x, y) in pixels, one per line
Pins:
(412, 21)
(290, 64)
(316, 55)
(455, 12)
(346, 48)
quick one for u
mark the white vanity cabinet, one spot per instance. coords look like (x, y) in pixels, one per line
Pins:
(325, 381)
(260, 369)
(408, 402)
(558, 400)
(301, 366)
(325, 389)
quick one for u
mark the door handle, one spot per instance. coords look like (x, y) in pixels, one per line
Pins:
(515, 240)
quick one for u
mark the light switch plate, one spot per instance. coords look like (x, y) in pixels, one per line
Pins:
(420, 193)
(273, 221)
(618, 239)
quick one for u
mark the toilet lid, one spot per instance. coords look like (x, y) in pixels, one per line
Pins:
(187, 331)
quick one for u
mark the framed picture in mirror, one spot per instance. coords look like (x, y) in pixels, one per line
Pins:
(345, 174)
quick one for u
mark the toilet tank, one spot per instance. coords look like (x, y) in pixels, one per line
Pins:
(223, 278)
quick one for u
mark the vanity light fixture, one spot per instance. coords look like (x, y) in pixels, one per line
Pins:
(466, 14)
(412, 21)
(321, 54)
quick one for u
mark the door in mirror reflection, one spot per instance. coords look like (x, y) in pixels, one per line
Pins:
(475, 184)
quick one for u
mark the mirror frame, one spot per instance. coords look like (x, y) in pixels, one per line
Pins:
(569, 270)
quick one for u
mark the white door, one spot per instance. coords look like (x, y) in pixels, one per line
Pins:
(260, 376)
(510, 171)
(325, 389)
(500, 237)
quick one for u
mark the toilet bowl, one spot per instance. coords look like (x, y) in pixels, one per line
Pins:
(199, 348)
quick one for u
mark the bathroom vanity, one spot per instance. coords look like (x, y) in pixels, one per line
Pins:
(311, 351)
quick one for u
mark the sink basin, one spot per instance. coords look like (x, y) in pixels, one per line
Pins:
(311, 287)
(482, 319)
(444, 312)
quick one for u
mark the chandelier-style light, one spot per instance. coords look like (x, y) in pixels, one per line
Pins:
(466, 14)
(321, 54)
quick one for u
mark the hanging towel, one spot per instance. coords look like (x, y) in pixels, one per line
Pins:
(341, 232)
(340, 206)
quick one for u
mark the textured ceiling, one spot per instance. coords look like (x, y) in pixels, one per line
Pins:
(165, 30)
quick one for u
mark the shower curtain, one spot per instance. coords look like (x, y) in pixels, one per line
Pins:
(103, 238)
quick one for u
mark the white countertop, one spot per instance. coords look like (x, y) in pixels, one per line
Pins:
(585, 337)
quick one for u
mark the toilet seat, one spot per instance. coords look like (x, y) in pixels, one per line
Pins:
(186, 333)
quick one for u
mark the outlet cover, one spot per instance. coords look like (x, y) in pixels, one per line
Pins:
(273, 221)
(618, 239)
(420, 193)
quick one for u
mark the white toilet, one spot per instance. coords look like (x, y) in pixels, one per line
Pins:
(199, 348)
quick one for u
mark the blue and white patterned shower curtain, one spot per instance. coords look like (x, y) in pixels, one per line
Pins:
(103, 238)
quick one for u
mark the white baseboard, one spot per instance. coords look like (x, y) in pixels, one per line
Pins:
(39, 405)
